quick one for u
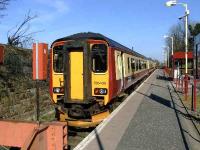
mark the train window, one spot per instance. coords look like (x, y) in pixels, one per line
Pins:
(136, 65)
(58, 59)
(133, 65)
(145, 65)
(99, 58)
(140, 67)
(128, 64)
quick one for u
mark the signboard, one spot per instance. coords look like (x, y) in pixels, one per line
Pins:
(40, 61)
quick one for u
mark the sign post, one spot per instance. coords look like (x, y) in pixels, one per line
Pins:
(40, 61)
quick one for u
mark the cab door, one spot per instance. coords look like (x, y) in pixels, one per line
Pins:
(76, 74)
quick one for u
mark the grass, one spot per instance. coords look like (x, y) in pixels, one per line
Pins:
(48, 117)
(188, 102)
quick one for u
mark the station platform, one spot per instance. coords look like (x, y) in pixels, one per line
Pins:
(152, 117)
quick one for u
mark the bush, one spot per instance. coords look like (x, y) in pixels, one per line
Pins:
(14, 63)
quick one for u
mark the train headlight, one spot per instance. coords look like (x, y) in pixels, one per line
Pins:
(58, 90)
(100, 91)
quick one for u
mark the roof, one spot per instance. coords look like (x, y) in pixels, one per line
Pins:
(181, 55)
(97, 36)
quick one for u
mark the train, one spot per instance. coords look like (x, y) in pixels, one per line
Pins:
(87, 72)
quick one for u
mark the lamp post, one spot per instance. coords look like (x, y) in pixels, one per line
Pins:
(166, 51)
(172, 40)
(172, 49)
(173, 3)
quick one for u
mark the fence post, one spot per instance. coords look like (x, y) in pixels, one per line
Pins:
(182, 85)
(195, 94)
(186, 87)
(192, 102)
(179, 83)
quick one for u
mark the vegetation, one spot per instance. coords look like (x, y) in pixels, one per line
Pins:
(20, 36)
(178, 32)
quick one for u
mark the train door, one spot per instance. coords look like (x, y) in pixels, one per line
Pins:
(76, 74)
(119, 68)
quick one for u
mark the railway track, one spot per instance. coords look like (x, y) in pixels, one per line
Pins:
(75, 136)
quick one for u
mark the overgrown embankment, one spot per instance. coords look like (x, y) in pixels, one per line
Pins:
(17, 89)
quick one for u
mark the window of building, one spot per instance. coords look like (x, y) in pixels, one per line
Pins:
(99, 58)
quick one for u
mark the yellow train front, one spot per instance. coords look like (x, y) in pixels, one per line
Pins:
(87, 72)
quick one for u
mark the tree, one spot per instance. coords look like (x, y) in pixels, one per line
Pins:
(194, 30)
(3, 6)
(178, 32)
(20, 36)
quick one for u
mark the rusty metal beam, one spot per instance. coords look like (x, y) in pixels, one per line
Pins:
(33, 135)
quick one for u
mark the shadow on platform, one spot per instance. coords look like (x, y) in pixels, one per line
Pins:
(164, 78)
(98, 140)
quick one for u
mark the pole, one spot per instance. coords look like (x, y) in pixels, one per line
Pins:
(195, 94)
(37, 101)
(186, 51)
(186, 42)
(172, 57)
(168, 57)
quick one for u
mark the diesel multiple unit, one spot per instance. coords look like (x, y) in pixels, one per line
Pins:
(88, 71)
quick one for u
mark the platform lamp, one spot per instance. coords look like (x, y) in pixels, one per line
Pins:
(187, 12)
(166, 51)
(172, 48)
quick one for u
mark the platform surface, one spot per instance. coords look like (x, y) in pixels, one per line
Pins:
(145, 121)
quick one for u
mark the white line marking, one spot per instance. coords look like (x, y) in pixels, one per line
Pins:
(36, 55)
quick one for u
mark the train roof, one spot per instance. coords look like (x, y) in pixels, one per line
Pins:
(97, 36)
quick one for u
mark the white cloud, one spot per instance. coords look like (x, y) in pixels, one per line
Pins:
(50, 9)
(59, 6)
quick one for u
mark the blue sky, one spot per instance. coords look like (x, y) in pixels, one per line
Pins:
(137, 23)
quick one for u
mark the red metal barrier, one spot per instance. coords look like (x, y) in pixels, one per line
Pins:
(183, 83)
(167, 71)
(33, 135)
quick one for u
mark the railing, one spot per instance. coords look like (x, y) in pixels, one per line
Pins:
(190, 88)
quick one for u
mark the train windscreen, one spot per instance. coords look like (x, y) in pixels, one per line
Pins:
(58, 59)
(99, 58)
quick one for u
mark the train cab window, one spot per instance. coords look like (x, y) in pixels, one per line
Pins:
(99, 58)
(58, 59)
(133, 65)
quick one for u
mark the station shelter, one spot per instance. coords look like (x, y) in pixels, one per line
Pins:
(179, 63)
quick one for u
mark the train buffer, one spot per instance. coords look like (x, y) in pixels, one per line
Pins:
(152, 117)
